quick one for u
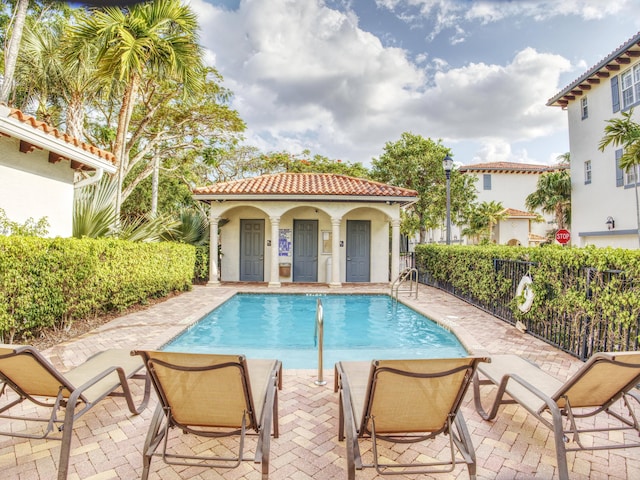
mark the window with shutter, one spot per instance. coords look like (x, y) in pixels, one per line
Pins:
(486, 178)
(630, 87)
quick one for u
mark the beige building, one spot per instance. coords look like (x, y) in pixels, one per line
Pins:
(603, 205)
(305, 227)
(510, 184)
(40, 167)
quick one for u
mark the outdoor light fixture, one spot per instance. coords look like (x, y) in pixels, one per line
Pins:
(611, 223)
(447, 164)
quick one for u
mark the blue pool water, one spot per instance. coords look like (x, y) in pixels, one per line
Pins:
(356, 327)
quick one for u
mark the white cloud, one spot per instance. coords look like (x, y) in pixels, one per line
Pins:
(305, 76)
(450, 12)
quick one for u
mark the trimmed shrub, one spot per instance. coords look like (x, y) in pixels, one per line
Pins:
(49, 283)
(201, 271)
(583, 293)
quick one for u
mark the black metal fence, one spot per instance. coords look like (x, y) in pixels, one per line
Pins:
(578, 333)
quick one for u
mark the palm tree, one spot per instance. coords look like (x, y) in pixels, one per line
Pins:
(626, 133)
(155, 38)
(94, 214)
(474, 224)
(491, 213)
(553, 196)
(479, 220)
(11, 53)
(39, 72)
(49, 74)
(564, 158)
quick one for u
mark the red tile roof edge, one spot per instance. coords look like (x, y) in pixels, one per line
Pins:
(513, 212)
(305, 184)
(511, 167)
(54, 132)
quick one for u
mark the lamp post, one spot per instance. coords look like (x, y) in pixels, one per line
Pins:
(447, 164)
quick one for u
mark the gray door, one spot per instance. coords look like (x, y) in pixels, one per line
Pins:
(358, 247)
(251, 250)
(305, 250)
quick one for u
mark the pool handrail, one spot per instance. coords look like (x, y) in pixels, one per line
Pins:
(410, 276)
(318, 338)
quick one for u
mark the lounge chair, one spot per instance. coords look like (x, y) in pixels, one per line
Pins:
(601, 382)
(211, 396)
(32, 377)
(405, 401)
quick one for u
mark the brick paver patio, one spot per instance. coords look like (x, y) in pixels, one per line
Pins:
(108, 441)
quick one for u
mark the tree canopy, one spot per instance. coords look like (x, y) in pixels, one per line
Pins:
(553, 195)
(416, 163)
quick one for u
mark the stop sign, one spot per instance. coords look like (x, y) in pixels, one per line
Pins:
(563, 236)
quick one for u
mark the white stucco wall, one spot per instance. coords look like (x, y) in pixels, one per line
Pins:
(593, 203)
(513, 228)
(512, 190)
(234, 211)
(31, 187)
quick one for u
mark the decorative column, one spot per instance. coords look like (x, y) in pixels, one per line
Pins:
(213, 249)
(274, 276)
(335, 252)
(395, 248)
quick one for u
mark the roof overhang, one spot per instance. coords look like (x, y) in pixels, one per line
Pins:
(45, 141)
(610, 65)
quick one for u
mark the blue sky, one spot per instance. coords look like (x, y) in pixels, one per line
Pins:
(343, 77)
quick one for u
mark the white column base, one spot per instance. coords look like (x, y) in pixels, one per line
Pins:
(274, 284)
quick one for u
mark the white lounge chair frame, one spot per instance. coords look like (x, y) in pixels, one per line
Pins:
(603, 381)
(32, 377)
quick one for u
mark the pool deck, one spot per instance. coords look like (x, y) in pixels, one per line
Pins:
(107, 441)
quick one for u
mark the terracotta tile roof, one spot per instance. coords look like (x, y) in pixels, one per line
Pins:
(511, 167)
(536, 238)
(512, 212)
(48, 129)
(305, 184)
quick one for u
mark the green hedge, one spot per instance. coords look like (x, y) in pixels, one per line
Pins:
(49, 283)
(569, 284)
(201, 271)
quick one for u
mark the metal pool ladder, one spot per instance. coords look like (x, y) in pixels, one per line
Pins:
(318, 337)
(407, 281)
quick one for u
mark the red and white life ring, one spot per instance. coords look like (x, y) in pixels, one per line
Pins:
(525, 290)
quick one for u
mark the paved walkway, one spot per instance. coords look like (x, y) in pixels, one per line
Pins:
(107, 441)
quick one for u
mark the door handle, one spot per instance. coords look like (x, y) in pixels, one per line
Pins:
(348, 259)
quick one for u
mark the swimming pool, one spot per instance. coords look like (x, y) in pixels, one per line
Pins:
(356, 327)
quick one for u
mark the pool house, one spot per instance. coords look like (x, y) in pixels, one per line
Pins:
(304, 228)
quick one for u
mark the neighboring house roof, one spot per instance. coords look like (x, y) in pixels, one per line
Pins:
(606, 67)
(510, 167)
(287, 186)
(33, 133)
(514, 213)
(536, 238)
